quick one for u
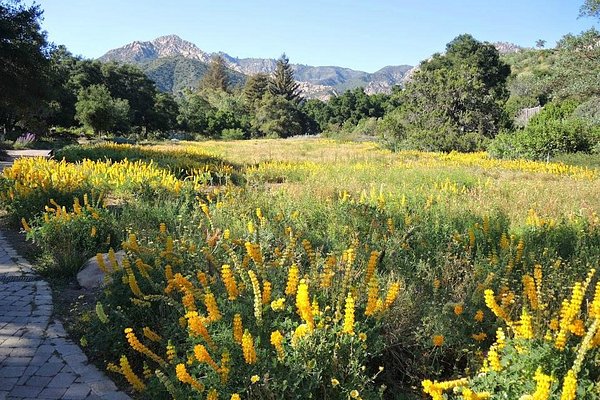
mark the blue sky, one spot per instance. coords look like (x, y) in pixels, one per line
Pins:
(364, 35)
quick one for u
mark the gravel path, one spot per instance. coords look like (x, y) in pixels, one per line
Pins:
(37, 359)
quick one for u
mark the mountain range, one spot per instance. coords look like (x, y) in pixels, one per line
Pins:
(176, 64)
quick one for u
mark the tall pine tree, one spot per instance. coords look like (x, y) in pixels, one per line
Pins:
(255, 88)
(282, 81)
(216, 77)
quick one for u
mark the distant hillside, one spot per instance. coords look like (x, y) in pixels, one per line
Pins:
(175, 64)
(175, 74)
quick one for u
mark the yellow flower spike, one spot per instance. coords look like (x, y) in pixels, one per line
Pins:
(184, 376)
(150, 334)
(141, 348)
(225, 367)
(257, 296)
(349, 315)
(266, 292)
(372, 296)
(235, 396)
(197, 327)
(203, 356)
(525, 329)
(490, 301)
(248, 348)
(494, 359)
(371, 265)
(569, 389)
(171, 352)
(277, 342)
(303, 304)
(278, 305)
(292, 281)
(254, 378)
(131, 377)
(238, 331)
(229, 282)
(212, 395)
(133, 285)
(301, 331)
(595, 306)
(392, 294)
(543, 384)
(211, 307)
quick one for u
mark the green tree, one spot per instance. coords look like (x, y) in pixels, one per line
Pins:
(128, 82)
(455, 100)
(24, 62)
(216, 77)
(98, 110)
(255, 88)
(278, 117)
(590, 8)
(576, 72)
(165, 111)
(282, 81)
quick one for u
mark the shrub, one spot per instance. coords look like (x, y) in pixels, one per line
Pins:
(230, 315)
(542, 352)
(554, 130)
(70, 238)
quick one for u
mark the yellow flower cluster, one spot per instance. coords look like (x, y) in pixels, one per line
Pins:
(303, 304)
(30, 174)
(211, 307)
(141, 348)
(197, 327)
(229, 282)
(292, 280)
(257, 296)
(277, 342)
(248, 348)
(491, 303)
(131, 377)
(184, 376)
(349, 315)
(203, 357)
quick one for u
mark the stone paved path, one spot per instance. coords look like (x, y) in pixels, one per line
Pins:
(37, 360)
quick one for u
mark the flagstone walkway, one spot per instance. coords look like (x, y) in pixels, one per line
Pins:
(37, 359)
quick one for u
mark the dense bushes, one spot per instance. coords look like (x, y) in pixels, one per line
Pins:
(554, 130)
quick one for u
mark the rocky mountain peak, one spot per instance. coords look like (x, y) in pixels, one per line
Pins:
(317, 82)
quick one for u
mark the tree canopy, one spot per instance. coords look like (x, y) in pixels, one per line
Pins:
(282, 81)
(216, 77)
(24, 64)
(457, 93)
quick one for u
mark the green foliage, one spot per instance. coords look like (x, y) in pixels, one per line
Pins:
(212, 111)
(99, 111)
(455, 96)
(552, 131)
(282, 81)
(278, 117)
(576, 72)
(70, 238)
(24, 66)
(590, 8)
(255, 88)
(216, 77)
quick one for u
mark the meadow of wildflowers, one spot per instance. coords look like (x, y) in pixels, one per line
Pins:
(316, 269)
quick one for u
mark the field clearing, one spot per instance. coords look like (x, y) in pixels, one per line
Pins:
(467, 182)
